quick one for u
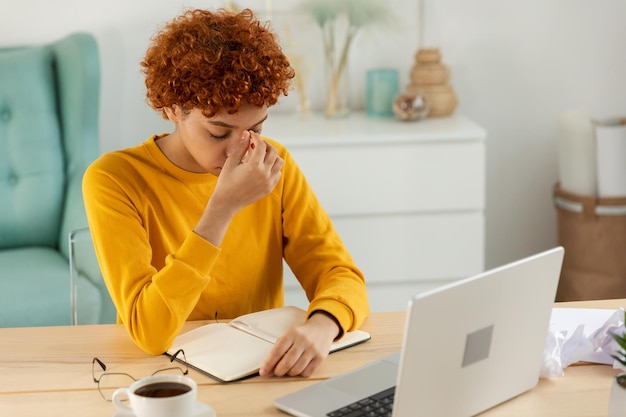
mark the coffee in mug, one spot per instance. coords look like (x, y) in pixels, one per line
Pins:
(163, 389)
(161, 395)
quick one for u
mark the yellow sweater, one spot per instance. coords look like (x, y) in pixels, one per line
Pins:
(142, 210)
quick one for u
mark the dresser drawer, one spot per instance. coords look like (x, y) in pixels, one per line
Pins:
(409, 248)
(415, 247)
(387, 297)
(395, 178)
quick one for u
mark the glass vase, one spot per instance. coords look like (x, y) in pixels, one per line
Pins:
(337, 91)
(337, 42)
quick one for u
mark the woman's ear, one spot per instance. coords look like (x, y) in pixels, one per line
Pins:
(173, 113)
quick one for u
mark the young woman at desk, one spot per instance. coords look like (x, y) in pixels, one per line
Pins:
(195, 223)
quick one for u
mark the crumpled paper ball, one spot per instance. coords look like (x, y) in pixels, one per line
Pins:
(563, 349)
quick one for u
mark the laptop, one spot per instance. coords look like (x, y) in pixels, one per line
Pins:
(467, 347)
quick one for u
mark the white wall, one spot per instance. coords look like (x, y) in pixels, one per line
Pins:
(515, 66)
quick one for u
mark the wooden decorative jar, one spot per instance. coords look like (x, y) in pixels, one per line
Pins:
(430, 77)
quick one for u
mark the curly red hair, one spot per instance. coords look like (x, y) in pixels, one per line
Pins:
(213, 61)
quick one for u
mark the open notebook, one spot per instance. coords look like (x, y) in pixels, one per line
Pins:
(235, 350)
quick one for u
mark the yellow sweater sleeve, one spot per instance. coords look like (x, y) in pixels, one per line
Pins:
(317, 255)
(153, 303)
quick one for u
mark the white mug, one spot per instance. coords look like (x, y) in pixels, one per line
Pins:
(161, 395)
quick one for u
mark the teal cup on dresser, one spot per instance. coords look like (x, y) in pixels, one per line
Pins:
(382, 88)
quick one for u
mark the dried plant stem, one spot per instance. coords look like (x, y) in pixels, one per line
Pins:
(299, 65)
(335, 69)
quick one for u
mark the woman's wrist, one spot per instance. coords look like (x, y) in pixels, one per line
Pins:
(327, 320)
(214, 223)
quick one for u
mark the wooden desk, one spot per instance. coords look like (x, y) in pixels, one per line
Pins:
(47, 371)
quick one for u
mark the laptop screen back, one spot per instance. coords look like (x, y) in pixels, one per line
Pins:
(473, 344)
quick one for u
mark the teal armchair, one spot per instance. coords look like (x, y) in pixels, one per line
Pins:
(49, 100)
(90, 298)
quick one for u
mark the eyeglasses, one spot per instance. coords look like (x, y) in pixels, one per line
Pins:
(108, 382)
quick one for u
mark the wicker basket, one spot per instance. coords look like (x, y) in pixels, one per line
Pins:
(593, 232)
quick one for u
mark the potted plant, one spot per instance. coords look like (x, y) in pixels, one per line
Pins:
(617, 401)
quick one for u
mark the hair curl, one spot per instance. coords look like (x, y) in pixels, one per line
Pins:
(214, 61)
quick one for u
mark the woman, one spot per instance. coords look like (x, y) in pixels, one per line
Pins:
(195, 224)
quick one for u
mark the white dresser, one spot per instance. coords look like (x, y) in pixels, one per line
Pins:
(407, 198)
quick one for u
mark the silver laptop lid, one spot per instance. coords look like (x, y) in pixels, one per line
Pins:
(473, 344)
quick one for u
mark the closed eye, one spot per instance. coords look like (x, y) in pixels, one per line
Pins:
(222, 137)
(258, 131)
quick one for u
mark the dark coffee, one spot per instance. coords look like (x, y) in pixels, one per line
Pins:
(162, 389)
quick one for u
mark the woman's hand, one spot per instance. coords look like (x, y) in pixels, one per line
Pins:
(302, 349)
(250, 173)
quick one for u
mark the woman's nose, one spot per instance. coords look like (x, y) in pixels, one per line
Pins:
(233, 142)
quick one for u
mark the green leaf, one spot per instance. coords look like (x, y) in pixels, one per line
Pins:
(621, 359)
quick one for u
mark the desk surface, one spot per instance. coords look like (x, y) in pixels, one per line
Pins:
(47, 371)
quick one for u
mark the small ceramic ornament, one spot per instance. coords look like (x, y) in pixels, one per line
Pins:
(409, 107)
